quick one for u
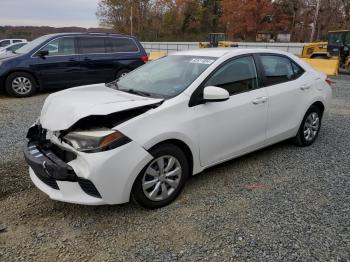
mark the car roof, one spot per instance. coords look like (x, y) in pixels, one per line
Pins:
(12, 39)
(220, 52)
(87, 33)
(19, 43)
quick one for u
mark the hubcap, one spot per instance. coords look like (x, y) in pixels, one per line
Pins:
(161, 178)
(311, 126)
(22, 85)
(123, 74)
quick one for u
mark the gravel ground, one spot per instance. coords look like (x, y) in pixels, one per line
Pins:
(282, 203)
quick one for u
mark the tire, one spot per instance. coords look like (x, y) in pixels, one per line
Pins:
(309, 128)
(20, 84)
(150, 183)
(122, 73)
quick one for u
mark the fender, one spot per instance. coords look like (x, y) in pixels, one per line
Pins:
(194, 148)
(313, 101)
(26, 70)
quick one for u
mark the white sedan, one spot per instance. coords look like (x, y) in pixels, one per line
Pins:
(142, 136)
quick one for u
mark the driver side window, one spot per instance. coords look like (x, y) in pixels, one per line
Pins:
(61, 46)
(237, 76)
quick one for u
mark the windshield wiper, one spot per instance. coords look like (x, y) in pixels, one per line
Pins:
(136, 92)
(113, 84)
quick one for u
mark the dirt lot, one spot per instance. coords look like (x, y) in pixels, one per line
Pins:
(282, 203)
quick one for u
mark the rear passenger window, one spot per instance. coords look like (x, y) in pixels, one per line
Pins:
(277, 69)
(122, 44)
(298, 71)
(17, 41)
(236, 76)
(92, 45)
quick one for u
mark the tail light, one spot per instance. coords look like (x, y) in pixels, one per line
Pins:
(144, 59)
(329, 81)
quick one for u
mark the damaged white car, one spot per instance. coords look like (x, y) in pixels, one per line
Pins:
(141, 137)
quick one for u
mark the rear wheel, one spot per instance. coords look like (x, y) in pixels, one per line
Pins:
(161, 180)
(20, 84)
(310, 127)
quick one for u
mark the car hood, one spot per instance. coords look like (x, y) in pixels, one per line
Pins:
(63, 109)
(4, 55)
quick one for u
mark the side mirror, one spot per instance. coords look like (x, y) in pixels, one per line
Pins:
(215, 94)
(43, 53)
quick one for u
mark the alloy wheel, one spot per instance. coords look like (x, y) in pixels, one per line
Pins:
(123, 74)
(22, 85)
(161, 178)
(311, 126)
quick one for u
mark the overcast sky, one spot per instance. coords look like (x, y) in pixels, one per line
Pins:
(56, 13)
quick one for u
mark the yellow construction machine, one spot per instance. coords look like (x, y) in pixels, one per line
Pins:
(332, 56)
(217, 40)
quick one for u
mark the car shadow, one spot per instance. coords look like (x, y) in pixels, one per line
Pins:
(204, 177)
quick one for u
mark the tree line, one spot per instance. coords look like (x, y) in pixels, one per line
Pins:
(32, 32)
(192, 20)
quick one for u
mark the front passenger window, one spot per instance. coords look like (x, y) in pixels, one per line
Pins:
(236, 76)
(277, 69)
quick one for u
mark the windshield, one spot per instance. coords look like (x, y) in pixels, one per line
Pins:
(166, 77)
(15, 47)
(33, 44)
(336, 38)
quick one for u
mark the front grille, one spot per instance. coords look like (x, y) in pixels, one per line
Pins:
(88, 187)
(51, 182)
(64, 155)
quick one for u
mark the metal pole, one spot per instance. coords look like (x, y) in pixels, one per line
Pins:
(315, 21)
(131, 23)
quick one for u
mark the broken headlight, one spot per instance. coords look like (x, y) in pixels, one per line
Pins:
(95, 141)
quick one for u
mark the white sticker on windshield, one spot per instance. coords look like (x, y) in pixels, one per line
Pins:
(202, 61)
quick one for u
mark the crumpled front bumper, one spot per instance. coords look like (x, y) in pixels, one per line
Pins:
(88, 178)
(53, 176)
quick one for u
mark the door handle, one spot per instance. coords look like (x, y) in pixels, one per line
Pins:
(87, 59)
(305, 87)
(72, 60)
(260, 100)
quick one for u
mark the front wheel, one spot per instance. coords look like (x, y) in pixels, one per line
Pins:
(161, 180)
(310, 127)
(20, 84)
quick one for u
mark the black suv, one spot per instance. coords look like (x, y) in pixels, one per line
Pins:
(68, 60)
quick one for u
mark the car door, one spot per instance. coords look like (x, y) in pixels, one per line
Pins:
(289, 89)
(61, 67)
(97, 63)
(238, 125)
